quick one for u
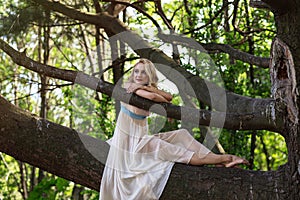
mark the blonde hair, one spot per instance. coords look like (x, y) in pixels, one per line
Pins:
(149, 69)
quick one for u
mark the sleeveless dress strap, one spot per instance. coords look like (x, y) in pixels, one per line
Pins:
(132, 114)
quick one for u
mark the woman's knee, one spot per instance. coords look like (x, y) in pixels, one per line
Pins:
(185, 133)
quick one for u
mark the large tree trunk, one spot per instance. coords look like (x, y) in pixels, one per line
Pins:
(287, 54)
(285, 68)
(284, 89)
(80, 158)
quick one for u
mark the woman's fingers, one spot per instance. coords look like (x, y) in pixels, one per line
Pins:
(236, 161)
(133, 87)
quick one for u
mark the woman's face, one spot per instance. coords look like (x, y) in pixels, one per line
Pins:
(139, 74)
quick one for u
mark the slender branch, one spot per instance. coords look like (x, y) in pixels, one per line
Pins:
(213, 47)
(139, 9)
(175, 12)
(188, 11)
(265, 151)
(224, 6)
(9, 172)
(162, 14)
(249, 31)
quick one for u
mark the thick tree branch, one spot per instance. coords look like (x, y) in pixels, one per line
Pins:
(51, 147)
(241, 121)
(238, 54)
(259, 4)
(279, 6)
(81, 158)
(252, 120)
(115, 7)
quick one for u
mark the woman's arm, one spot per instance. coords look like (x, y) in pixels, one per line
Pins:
(149, 92)
(133, 87)
(164, 94)
(151, 95)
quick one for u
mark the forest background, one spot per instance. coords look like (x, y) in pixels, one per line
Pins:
(230, 27)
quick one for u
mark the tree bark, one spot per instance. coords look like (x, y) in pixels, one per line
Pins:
(278, 6)
(286, 68)
(80, 158)
(284, 82)
(51, 147)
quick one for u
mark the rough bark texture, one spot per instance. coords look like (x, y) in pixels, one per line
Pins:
(284, 89)
(288, 64)
(188, 182)
(51, 147)
(79, 158)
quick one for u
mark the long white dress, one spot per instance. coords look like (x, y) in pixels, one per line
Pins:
(138, 164)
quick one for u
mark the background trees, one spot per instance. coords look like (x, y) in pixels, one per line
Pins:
(237, 36)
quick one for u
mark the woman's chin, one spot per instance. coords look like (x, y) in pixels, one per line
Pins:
(140, 82)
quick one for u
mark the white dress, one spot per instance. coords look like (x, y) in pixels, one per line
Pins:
(138, 164)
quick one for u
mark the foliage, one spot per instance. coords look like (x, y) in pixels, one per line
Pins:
(51, 188)
(270, 148)
(9, 178)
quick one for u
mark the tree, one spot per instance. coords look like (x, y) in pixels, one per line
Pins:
(35, 141)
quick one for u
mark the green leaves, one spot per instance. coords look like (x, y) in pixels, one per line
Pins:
(18, 17)
(51, 188)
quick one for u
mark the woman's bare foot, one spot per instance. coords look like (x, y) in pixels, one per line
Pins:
(235, 160)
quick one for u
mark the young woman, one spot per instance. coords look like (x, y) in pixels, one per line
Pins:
(139, 164)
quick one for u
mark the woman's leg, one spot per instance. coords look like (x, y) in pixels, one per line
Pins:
(183, 138)
(202, 155)
(227, 160)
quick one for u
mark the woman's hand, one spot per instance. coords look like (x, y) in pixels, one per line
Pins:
(134, 87)
(150, 88)
(150, 92)
(154, 89)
